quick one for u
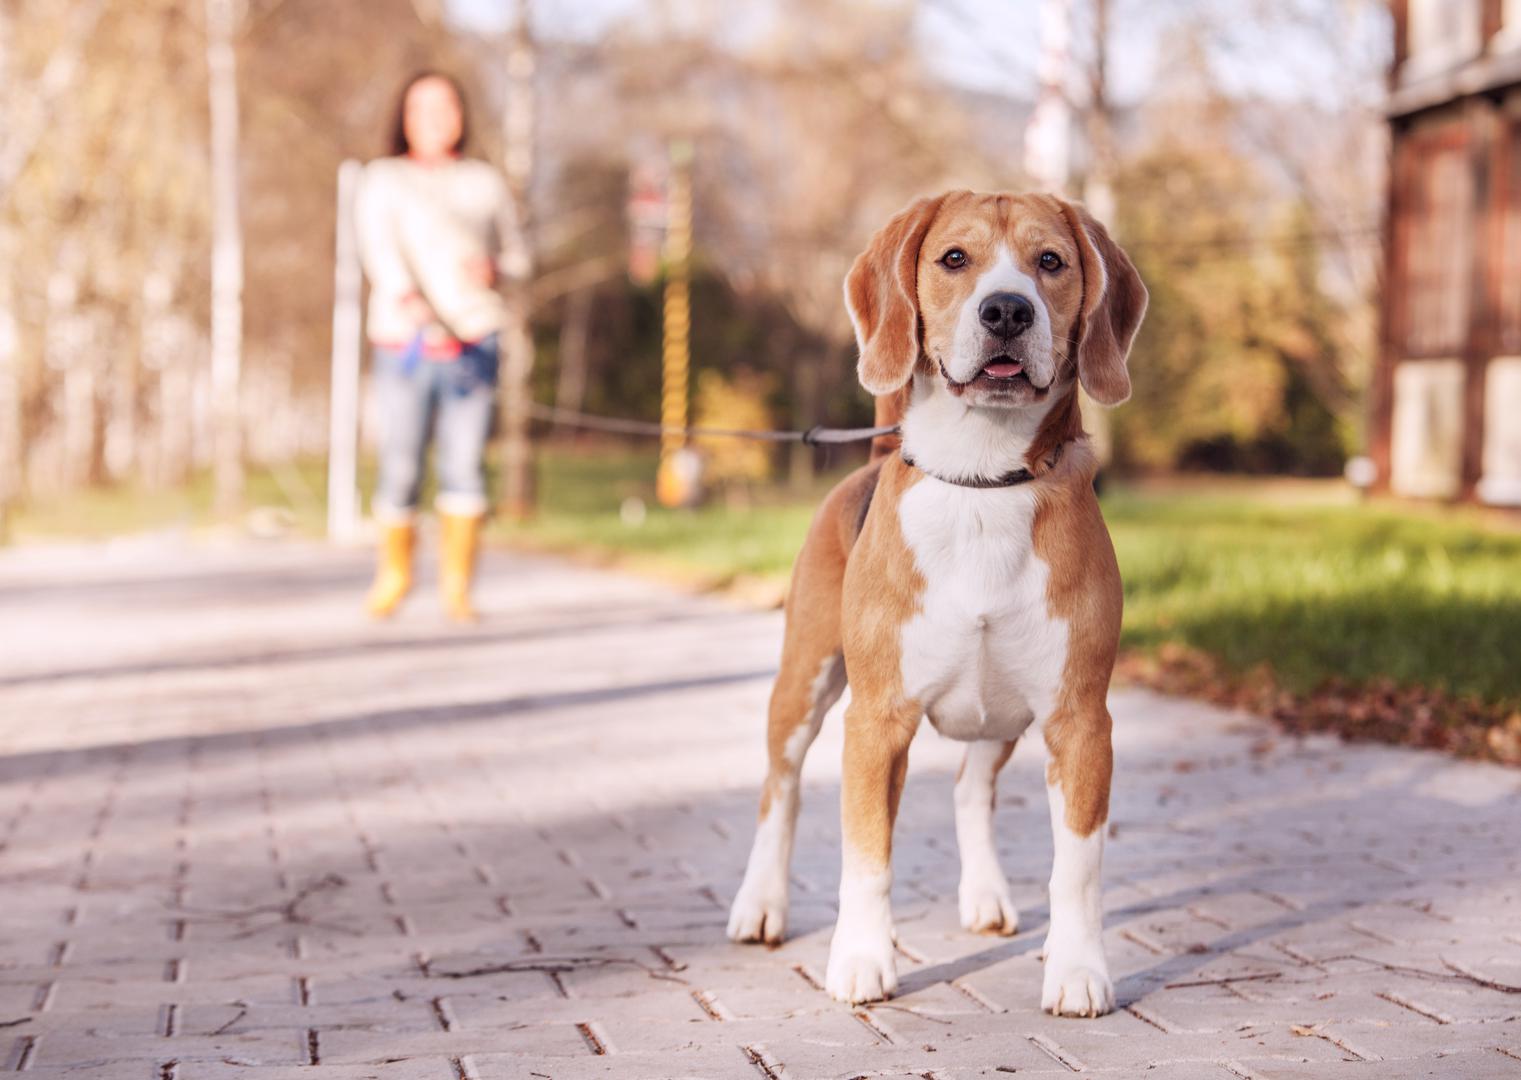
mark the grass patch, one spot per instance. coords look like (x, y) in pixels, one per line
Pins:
(1324, 593)
(1395, 622)
(580, 496)
(1380, 618)
(298, 493)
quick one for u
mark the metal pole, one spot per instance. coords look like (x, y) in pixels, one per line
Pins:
(670, 487)
(343, 417)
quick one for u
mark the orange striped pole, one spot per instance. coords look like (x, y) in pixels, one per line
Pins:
(671, 487)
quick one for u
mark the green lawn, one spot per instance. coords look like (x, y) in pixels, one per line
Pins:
(298, 493)
(1249, 574)
(580, 497)
(1320, 592)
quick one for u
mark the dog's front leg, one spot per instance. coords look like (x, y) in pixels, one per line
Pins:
(1076, 980)
(798, 704)
(986, 905)
(861, 961)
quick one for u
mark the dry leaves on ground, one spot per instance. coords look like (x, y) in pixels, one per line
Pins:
(1378, 711)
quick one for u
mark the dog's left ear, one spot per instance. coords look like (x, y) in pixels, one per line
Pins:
(882, 296)
(1114, 302)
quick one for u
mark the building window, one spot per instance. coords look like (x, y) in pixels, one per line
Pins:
(1438, 249)
(1442, 34)
(1501, 481)
(1426, 436)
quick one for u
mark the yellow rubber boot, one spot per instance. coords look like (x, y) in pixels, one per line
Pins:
(393, 574)
(460, 537)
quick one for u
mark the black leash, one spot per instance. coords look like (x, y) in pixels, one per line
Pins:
(814, 436)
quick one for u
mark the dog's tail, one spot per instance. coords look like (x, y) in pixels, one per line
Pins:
(890, 410)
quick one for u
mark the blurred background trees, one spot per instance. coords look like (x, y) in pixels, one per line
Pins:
(1246, 173)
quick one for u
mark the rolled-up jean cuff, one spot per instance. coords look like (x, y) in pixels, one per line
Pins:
(387, 514)
(460, 503)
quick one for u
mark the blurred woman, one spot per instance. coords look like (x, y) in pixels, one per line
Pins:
(432, 226)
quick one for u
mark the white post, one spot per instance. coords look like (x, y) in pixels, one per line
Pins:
(222, 17)
(343, 417)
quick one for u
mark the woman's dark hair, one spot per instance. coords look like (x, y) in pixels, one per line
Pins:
(399, 145)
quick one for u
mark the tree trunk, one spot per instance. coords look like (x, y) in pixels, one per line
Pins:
(10, 389)
(570, 389)
(1048, 136)
(1098, 194)
(805, 413)
(1098, 185)
(226, 258)
(517, 496)
(120, 445)
(68, 354)
(10, 347)
(176, 403)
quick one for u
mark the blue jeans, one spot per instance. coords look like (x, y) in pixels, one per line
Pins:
(455, 398)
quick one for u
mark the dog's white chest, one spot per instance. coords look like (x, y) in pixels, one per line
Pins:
(983, 656)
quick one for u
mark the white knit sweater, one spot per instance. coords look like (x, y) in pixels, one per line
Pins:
(424, 229)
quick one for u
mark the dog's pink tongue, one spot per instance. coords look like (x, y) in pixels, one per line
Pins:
(1004, 369)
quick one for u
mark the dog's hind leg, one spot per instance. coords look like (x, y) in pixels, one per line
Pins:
(811, 679)
(984, 900)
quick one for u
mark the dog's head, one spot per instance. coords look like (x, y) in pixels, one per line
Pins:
(1003, 297)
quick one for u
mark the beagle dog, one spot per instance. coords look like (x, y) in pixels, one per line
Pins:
(964, 574)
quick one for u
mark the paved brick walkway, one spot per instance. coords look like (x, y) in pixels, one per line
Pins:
(245, 834)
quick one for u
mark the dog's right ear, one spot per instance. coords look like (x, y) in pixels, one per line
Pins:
(882, 296)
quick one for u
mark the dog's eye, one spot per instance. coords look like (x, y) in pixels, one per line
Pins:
(953, 259)
(1050, 260)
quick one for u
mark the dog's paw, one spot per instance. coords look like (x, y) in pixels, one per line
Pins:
(859, 974)
(987, 908)
(1076, 990)
(758, 915)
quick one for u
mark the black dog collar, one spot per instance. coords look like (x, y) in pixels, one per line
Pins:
(1008, 479)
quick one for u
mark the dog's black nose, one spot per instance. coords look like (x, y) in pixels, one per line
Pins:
(1006, 314)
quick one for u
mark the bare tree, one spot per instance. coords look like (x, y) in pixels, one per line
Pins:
(222, 19)
(517, 336)
(28, 110)
(575, 327)
(10, 351)
(1098, 184)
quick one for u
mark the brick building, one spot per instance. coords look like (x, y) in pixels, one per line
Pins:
(1446, 403)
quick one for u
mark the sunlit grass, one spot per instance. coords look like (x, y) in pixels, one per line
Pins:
(1313, 587)
(298, 493)
(581, 494)
(1317, 592)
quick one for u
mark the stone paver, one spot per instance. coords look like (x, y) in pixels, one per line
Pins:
(243, 833)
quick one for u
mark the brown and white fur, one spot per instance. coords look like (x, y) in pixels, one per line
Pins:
(993, 611)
